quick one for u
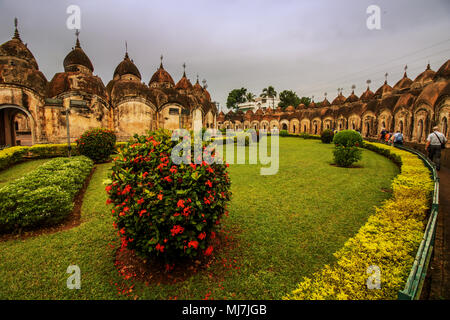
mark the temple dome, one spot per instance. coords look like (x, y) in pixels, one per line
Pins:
(384, 89)
(127, 66)
(161, 78)
(340, 99)
(367, 95)
(352, 98)
(424, 78)
(403, 83)
(77, 57)
(444, 70)
(184, 83)
(290, 109)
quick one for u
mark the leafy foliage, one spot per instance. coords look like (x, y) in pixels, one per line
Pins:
(97, 144)
(346, 150)
(235, 97)
(43, 196)
(288, 98)
(284, 133)
(327, 136)
(162, 209)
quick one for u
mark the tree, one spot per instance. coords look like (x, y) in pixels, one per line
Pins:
(269, 92)
(235, 97)
(305, 100)
(250, 97)
(288, 98)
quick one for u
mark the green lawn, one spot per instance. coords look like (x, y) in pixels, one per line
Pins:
(284, 227)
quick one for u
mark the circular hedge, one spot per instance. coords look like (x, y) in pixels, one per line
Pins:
(163, 210)
(97, 144)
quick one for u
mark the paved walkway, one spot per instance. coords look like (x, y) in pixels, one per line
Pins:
(440, 266)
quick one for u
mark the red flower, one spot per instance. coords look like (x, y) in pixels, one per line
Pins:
(108, 201)
(208, 183)
(108, 188)
(140, 201)
(160, 196)
(193, 166)
(142, 212)
(208, 251)
(176, 230)
(193, 243)
(160, 247)
(202, 235)
(180, 203)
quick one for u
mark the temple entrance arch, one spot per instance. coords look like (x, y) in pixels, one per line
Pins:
(16, 122)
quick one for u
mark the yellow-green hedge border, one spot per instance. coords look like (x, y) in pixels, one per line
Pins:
(389, 240)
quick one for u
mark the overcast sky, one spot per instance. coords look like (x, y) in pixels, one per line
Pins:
(310, 47)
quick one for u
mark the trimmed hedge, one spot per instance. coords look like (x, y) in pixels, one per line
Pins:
(44, 196)
(12, 155)
(389, 239)
(98, 144)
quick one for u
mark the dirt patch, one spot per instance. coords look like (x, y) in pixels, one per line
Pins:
(71, 221)
(130, 265)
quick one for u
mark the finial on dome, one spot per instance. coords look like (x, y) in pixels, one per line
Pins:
(325, 94)
(77, 44)
(197, 78)
(161, 65)
(353, 89)
(428, 66)
(368, 83)
(406, 68)
(16, 31)
(126, 50)
(385, 77)
(184, 69)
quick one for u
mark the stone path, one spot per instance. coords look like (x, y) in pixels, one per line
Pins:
(440, 265)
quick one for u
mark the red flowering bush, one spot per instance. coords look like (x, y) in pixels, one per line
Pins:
(97, 144)
(162, 209)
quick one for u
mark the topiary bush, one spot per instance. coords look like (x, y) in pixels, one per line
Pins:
(327, 136)
(97, 144)
(346, 150)
(163, 210)
(348, 138)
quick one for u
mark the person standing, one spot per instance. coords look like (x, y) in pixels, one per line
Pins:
(435, 143)
(383, 134)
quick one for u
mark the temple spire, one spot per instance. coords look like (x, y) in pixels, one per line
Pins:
(161, 65)
(385, 77)
(126, 50)
(77, 44)
(184, 69)
(16, 31)
(406, 68)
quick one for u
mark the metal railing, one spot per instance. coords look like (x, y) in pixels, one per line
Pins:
(416, 278)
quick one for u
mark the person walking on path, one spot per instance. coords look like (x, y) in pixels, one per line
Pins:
(435, 143)
(383, 134)
(397, 139)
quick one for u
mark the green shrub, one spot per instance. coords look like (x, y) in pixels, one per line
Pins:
(9, 156)
(284, 133)
(44, 196)
(51, 150)
(97, 144)
(346, 151)
(327, 136)
(348, 138)
(163, 210)
(346, 156)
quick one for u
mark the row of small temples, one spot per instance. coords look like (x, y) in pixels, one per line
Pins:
(126, 104)
(413, 107)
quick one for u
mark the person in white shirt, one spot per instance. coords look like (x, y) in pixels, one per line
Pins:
(435, 142)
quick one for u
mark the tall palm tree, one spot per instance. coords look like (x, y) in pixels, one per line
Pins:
(269, 92)
(250, 97)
